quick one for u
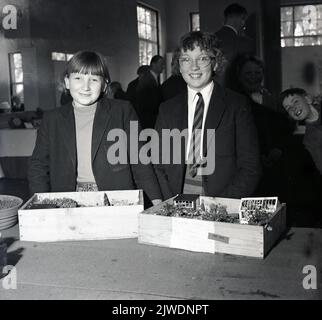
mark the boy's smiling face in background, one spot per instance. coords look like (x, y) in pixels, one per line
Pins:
(297, 106)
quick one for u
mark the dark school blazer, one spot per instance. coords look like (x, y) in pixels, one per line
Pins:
(237, 161)
(53, 165)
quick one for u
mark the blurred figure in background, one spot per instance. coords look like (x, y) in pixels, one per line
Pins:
(116, 91)
(303, 161)
(233, 41)
(16, 104)
(249, 71)
(148, 93)
(272, 126)
(132, 86)
(175, 84)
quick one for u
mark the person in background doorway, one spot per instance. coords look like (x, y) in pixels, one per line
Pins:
(233, 41)
(175, 84)
(131, 90)
(148, 94)
(116, 91)
(272, 126)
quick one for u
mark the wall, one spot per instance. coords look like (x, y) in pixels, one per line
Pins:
(302, 67)
(178, 23)
(178, 19)
(68, 26)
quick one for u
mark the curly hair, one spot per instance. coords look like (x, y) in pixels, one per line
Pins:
(206, 41)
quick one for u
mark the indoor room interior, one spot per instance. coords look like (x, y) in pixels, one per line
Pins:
(105, 238)
(34, 54)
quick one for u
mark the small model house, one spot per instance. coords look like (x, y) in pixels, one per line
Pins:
(190, 201)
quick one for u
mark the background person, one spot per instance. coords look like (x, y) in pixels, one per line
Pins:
(301, 107)
(233, 41)
(272, 126)
(303, 159)
(148, 93)
(131, 90)
(175, 84)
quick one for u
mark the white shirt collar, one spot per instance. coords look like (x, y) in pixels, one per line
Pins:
(192, 101)
(206, 92)
(231, 27)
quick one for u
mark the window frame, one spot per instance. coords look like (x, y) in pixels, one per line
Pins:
(191, 20)
(66, 56)
(13, 82)
(294, 37)
(157, 43)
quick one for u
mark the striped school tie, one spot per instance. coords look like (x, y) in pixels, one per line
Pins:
(194, 151)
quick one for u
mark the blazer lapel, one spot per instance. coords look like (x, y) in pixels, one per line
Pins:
(67, 129)
(181, 123)
(215, 112)
(100, 125)
(181, 115)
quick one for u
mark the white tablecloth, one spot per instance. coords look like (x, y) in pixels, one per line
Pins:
(16, 143)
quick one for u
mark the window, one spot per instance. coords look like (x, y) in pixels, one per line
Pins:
(61, 56)
(16, 80)
(148, 34)
(194, 21)
(301, 26)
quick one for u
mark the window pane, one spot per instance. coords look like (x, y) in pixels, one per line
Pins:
(319, 26)
(154, 50)
(307, 41)
(195, 22)
(287, 42)
(141, 14)
(147, 17)
(286, 14)
(148, 29)
(17, 60)
(69, 56)
(307, 23)
(18, 91)
(148, 34)
(18, 75)
(149, 51)
(286, 29)
(141, 30)
(144, 59)
(154, 20)
(58, 56)
(306, 16)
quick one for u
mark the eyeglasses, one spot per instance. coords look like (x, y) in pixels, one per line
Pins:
(202, 61)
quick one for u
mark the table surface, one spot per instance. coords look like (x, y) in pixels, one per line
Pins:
(125, 269)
